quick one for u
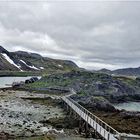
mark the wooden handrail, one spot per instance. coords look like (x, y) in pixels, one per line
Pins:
(105, 130)
(92, 115)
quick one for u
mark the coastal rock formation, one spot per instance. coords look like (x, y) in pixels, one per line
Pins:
(95, 89)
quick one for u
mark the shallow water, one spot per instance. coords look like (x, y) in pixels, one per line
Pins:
(7, 81)
(130, 106)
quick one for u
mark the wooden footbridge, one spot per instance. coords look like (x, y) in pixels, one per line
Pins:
(103, 129)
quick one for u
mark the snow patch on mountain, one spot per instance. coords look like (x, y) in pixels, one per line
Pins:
(60, 66)
(11, 61)
(42, 68)
(32, 67)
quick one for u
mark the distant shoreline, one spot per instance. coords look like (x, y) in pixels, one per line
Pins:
(19, 73)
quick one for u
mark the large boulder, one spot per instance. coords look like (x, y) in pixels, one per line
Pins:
(4, 136)
(95, 102)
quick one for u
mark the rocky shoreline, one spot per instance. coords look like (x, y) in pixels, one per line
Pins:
(123, 121)
(23, 117)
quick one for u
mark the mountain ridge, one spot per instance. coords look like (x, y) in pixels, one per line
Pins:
(25, 61)
(123, 71)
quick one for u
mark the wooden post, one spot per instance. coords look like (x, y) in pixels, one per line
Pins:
(67, 107)
(108, 134)
(80, 126)
(70, 112)
(120, 137)
(108, 137)
(93, 134)
(87, 131)
(75, 115)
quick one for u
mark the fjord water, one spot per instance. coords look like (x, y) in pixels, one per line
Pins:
(7, 81)
(129, 106)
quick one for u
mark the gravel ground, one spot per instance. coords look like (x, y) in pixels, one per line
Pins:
(20, 117)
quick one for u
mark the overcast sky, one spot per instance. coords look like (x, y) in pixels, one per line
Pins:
(95, 35)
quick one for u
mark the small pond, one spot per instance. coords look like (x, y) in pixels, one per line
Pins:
(129, 106)
(7, 81)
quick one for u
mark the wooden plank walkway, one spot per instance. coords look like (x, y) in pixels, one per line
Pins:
(106, 131)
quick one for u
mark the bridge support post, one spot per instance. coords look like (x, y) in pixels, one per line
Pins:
(93, 134)
(70, 112)
(80, 126)
(87, 130)
(108, 137)
(67, 108)
(100, 128)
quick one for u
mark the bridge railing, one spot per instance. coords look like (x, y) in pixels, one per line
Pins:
(100, 126)
(105, 130)
(95, 118)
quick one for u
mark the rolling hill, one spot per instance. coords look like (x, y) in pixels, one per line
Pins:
(124, 71)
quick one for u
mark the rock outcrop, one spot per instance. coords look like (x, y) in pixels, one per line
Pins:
(96, 89)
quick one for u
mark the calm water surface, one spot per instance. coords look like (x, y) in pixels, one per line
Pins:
(130, 106)
(7, 81)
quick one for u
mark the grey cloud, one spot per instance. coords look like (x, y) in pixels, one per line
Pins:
(93, 34)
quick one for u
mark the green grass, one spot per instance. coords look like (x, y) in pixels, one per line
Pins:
(85, 81)
(99, 98)
(81, 93)
(130, 81)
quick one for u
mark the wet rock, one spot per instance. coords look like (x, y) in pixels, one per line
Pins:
(8, 123)
(10, 116)
(29, 114)
(36, 106)
(34, 122)
(59, 126)
(4, 136)
(28, 126)
(2, 114)
(12, 131)
(24, 122)
(130, 114)
(44, 121)
(18, 125)
(96, 103)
